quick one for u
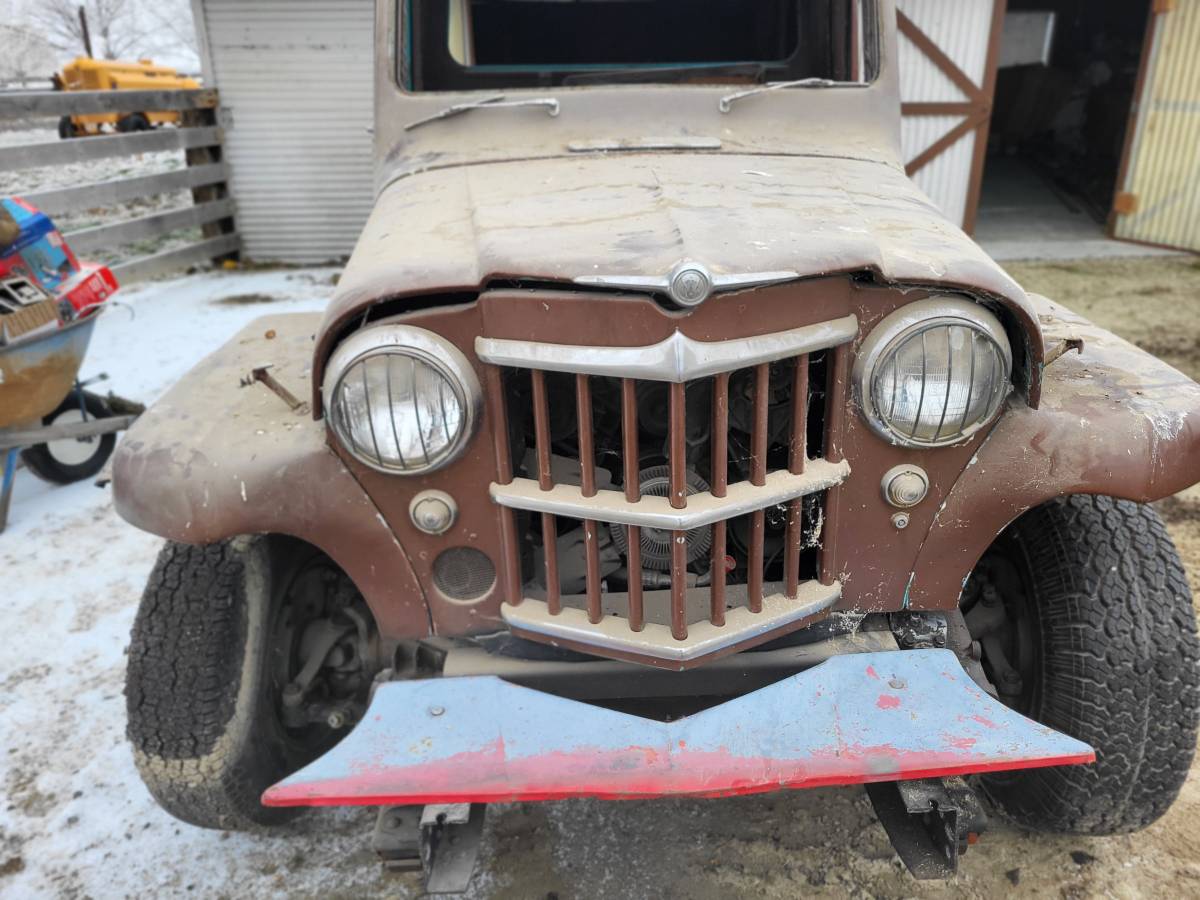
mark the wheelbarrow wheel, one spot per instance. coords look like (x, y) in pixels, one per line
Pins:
(73, 459)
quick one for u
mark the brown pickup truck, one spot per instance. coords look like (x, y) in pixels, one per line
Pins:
(662, 438)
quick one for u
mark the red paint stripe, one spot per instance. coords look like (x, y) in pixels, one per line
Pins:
(635, 774)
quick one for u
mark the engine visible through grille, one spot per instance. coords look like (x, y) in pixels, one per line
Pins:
(643, 513)
(651, 474)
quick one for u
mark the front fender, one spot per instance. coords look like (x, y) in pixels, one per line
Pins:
(1113, 420)
(216, 458)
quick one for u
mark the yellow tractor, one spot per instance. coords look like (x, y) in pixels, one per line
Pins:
(87, 74)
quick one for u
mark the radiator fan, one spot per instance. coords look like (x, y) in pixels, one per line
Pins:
(656, 542)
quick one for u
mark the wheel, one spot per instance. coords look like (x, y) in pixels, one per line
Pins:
(1082, 613)
(248, 659)
(133, 122)
(66, 128)
(72, 459)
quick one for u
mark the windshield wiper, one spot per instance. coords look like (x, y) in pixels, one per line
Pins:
(648, 73)
(729, 99)
(496, 101)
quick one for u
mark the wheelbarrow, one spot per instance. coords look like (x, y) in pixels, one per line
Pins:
(49, 306)
(63, 431)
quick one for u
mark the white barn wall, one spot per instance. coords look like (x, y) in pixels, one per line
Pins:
(962, 29)
(296, 83)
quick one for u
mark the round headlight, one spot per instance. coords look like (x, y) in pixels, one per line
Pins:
(401, 399)
(934, 372)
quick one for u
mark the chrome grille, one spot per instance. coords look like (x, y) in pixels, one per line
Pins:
(695, 613)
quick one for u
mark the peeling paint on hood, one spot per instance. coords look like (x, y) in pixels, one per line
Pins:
(554, 220)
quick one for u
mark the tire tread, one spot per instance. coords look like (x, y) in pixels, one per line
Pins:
(1120, 666)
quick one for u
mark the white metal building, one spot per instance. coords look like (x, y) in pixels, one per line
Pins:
(295, 78)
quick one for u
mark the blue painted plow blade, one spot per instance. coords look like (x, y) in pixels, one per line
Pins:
(853, 719)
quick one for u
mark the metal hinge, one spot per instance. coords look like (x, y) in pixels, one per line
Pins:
(1125, 203)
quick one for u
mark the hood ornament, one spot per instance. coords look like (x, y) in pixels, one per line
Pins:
(688, 283)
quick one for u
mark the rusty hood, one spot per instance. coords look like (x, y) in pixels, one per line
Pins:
(554, 220)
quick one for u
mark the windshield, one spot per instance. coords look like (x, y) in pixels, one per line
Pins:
(454, 45)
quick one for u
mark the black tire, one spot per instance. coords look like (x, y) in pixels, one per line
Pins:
(42, 459)
(202, 687)
(66, 128)
(1114, 662)
(133, 122)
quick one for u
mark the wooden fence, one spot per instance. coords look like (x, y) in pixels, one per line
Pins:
(206, 176)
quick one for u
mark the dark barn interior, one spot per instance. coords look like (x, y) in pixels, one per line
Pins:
(1061, 127)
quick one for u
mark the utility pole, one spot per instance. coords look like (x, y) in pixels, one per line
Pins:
(87, 35)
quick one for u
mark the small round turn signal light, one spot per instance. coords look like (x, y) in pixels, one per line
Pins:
(905, 486)
(433, 512)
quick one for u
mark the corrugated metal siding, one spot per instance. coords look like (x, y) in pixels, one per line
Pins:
(296, 81)
(962, 30)
(947, 177)
(1164, 162)
(922, 81)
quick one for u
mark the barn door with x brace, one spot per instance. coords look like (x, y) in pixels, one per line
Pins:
(948, 55)
(1158, 189)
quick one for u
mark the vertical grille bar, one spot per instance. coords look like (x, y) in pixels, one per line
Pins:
(720, 435)
(835, 407)
(758, 443)
(587, 465)
(797, 456)
(504, 475)
(835, 423)
(679, 585)
(629, 439)
(633, 493)
(758, 477)
(678, 460)
(550, 548)
(719, 479)
(678, 491)
(541, 429)
(591, 548)
(637, 616)
(798, 447)
(587, 453)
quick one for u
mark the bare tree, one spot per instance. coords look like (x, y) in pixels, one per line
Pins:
(26, 55)
(172, 19)
(114, 26)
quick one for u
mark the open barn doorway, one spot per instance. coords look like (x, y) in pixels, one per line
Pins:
(1068, 75)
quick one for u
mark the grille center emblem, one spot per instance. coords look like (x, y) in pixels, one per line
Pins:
(690, 284)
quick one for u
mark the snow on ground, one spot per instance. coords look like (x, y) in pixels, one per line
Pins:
(76, 820)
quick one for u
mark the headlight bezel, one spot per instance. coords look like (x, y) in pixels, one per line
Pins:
(424, 346)
(895, 329)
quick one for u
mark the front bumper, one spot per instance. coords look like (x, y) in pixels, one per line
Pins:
(856, 718)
